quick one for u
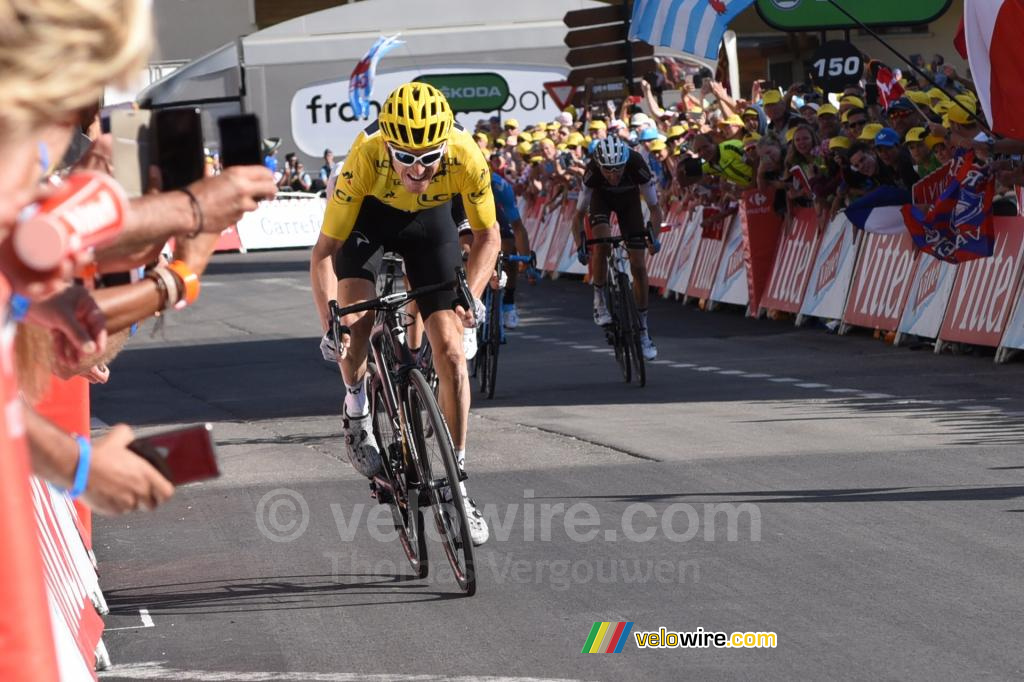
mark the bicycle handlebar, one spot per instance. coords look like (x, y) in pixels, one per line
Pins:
(398, 299)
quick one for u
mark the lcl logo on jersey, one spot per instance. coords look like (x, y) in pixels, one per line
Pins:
(478, 196)
(428, 199)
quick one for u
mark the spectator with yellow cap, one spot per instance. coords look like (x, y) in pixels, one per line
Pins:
(828, 125)
(483, 141)
(856, 121)
(780, 117)
(924, 160)
(731, 128)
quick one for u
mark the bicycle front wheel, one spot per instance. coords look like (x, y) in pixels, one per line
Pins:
(401, 490)
(440, 475)
(633, 334)
(620, 322)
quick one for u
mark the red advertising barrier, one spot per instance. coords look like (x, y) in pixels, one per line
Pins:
(983, 293)
(229, 241)
(706, 265)
(881, 281)
(793, 263)
(762, 227)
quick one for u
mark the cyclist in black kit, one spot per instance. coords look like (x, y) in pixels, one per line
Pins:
(615, 179)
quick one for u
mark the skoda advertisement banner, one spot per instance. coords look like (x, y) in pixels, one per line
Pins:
(812, 15)
(322, 117)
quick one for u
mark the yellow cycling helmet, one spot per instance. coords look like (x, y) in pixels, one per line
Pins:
(416, 116)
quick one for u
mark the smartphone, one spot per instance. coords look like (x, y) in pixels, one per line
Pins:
(240, 143)
(131, 155)
(184, 455)
(179, 146)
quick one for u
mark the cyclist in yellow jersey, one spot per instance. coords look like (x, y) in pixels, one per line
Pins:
(394, 193)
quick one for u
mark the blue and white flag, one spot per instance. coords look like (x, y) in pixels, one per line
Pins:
(691, 26)
(360, 83)
(880, 211)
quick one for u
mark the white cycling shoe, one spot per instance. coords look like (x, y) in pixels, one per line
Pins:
(602, 318)
(363, 453)
(650, 351)
(479, 533)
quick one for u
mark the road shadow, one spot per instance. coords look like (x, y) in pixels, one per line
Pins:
(274, 593)
(823, 495)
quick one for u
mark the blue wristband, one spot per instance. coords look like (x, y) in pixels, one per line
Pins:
(82, 470)
(19, 307)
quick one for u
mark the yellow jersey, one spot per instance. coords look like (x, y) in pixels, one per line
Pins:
(367, 172)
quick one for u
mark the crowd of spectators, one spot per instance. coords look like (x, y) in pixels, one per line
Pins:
(800, 145)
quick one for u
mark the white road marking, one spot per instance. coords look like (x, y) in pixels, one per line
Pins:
(757, 375)
(709, 368)
(732, 372)
(584, 347)
(843, 390)
(876, 396)
(784, 380)
(682, 365)
(147, 620)
(812, 385)
(659, 362)
(284, 282)
(158, 671)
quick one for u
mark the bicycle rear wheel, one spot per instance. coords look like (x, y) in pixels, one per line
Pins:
(399, 474)
(493, 341)
(440, 476)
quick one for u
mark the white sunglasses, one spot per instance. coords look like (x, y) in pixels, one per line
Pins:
(426, 159)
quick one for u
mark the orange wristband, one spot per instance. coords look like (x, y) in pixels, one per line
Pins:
(191, 281)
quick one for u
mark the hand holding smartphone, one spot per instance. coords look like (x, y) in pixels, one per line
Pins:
(184, 455)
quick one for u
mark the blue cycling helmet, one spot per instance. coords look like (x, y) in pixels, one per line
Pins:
(611, 151)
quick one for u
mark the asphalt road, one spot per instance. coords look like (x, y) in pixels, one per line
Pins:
(862, 502)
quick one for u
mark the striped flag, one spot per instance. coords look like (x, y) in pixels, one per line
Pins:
(360, 82)
(694, 27)
(996, 54)
(607, 637)
(880, 211)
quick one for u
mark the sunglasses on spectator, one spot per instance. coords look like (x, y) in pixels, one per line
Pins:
(857, 123)
(425, 159)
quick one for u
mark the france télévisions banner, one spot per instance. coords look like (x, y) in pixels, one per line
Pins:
(929, 294)
(762, 227)
(793, 263)
(686, 254)
(985, 289)
(833, 268)
(881, 281)
(731, 279)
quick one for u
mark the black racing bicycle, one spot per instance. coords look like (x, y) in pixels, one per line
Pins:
(625, 331)
(418, 460)
(491, 330)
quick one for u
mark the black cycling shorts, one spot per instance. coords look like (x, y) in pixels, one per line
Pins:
(626, 207)
(427, 240)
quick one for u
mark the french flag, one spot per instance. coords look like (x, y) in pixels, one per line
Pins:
(880, 211)
(993, 30)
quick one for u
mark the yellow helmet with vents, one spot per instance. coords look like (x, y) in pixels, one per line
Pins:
(416, 116)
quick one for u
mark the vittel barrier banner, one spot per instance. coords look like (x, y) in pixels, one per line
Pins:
(659, 267)
(793, 263)
(929, 294)
(881, 281)
(686, 255)
(706, 264)
(985, 290)
(830, 278)
(730, 284)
